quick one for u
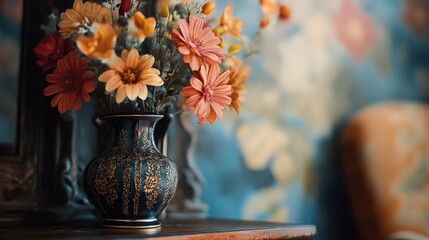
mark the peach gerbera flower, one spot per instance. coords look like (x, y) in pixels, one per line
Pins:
(71, 81)
(141, 27)
(100, 44)
(197, 44)
(130, 75)
(82, 16)
(209, 93)
(237, 79)
(230, 24)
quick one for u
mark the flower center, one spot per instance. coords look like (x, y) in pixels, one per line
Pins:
(194, 47)
(69, 84)
(129, 76)
(208, 93)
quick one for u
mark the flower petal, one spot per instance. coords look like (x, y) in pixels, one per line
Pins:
(192, 101)
(132, 91)
(222, 99)
(189, 91)
(116, 63)
(195, 63)
(196, 83)
(132, 59)
(88, 86)
(217, 108)
(120, 94)
(202, 109)
(184, 50)
(53, 89)
(142, 93)
(146, 62)
(222, 79)
(107, 75)
(152, 80)
(113, 84)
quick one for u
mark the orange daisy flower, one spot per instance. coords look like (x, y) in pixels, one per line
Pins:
(197, 44)
(230, 24)
(100, 44)
(71, 81)
(209, 93)
(82, 16)
(142, 27)
(130, 75)
(237, 78)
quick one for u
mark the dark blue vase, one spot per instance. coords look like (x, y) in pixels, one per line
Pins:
(131, 182)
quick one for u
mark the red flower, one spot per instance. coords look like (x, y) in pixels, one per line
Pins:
(70, 81)
(50, 50)
(124, 7)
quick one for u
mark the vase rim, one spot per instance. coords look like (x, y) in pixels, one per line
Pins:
(131, 115)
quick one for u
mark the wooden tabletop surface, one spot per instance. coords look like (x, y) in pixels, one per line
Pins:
(171, 229)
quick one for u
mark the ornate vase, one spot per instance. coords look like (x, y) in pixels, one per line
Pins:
(131, 182)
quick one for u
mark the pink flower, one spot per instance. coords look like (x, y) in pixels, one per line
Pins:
(209, 93)
(197, 44)
(354, 29)
(50, 50)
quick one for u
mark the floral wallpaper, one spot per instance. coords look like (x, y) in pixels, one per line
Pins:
(278, 160)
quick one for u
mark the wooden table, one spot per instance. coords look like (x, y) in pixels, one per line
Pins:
(171, 229)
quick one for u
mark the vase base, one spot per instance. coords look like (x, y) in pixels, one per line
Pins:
(131, 223)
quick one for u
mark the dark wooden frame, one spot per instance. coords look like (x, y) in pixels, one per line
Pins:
(20, 175)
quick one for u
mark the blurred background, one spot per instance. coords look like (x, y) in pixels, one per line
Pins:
(334, 130)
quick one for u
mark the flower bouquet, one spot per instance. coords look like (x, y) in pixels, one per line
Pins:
(137, 66)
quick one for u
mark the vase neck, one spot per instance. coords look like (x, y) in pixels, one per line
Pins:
(134, 132)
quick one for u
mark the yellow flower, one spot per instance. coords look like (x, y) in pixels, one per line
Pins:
(142, 27)
(164, 11)
(230, 24)
(235, 48)
(208, 8)
(100, 44)
(222, 44)
(218, 31)
(82, 16)
(130, 75)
